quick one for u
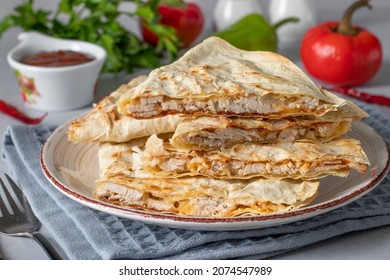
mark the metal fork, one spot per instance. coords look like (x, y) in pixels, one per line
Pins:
(21, 220)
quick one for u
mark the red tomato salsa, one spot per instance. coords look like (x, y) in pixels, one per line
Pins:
(56, 58)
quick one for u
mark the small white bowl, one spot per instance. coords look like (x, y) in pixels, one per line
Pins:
(56, 88)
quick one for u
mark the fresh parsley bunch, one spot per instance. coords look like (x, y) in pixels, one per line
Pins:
(97, 21)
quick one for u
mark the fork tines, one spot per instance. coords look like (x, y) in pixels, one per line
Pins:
(16, 208)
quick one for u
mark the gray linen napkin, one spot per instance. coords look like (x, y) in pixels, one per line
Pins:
(84, 233)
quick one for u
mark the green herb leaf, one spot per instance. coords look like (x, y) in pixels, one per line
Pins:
(97, 21)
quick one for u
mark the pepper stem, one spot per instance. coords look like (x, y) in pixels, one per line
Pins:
(284, 21)
(345, 27)
(173, 3)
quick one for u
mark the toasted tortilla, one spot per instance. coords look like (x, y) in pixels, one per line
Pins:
(121, 182)
(205, 133)
(105, 123)
(215, 78)
(209, 132)
(206, 197)
(307, 160)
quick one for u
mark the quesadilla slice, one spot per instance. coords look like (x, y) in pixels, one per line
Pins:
(209, 132)
(306, 160)
(215, 78)
(104, 123)
(206, 197)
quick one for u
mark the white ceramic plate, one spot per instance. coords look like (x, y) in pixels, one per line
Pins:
(73, 169)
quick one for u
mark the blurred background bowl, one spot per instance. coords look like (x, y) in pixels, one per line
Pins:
(56, 88)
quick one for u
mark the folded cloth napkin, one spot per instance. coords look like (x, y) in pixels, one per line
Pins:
(84, 233)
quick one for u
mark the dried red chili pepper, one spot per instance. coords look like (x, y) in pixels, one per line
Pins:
(13, 112)
(364, 96)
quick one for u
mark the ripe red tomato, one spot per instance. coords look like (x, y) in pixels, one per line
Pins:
(339, 59)
(341, 54)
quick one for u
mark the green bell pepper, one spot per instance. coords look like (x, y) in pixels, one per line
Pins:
(253, 33)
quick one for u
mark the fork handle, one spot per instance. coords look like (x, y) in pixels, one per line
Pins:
(46, 245)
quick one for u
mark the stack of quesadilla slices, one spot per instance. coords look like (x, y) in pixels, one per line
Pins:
(221, 132)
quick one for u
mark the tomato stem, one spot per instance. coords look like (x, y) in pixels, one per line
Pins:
(345, 26)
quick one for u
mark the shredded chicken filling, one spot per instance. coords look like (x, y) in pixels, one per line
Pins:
(230, 136)
(224, 168)
(202, 206)
(269, 105)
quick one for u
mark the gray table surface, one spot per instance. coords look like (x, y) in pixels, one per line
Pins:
(370, 244)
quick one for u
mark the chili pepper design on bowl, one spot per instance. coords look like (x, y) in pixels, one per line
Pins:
(340, 54)
(27, 88)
